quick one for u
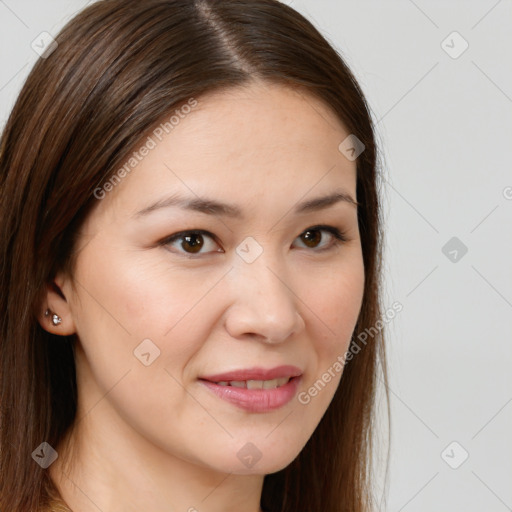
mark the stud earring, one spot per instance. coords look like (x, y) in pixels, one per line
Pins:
(56, 319)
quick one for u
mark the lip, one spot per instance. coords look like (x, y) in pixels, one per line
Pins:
(256, 400)
(256, 373)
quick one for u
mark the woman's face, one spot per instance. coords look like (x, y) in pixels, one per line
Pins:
(252, 287)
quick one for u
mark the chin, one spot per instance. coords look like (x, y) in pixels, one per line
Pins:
(260, 457)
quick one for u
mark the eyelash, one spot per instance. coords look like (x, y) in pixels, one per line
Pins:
(339, 238)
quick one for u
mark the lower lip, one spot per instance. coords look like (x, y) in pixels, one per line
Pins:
(256, 400)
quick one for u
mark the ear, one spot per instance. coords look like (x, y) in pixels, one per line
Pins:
(54, 299)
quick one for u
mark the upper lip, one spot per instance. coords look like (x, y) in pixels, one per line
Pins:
(277, 372)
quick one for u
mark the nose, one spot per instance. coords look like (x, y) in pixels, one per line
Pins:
(263, 304)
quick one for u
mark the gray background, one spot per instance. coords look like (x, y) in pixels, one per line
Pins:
(445, 125)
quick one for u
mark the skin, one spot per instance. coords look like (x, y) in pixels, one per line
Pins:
(153, 437)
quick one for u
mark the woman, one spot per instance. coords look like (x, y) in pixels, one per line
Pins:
(190, 246)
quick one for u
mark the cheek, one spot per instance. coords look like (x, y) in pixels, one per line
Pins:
(337, 304)
(122, 305)
(175, 308)
(154, 297)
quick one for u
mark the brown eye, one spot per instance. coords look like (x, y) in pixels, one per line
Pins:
(191, 242)
(312, 237)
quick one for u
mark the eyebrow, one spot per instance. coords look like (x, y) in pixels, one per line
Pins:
(213, 207)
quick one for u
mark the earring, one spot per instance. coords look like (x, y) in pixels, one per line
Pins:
(56, 319)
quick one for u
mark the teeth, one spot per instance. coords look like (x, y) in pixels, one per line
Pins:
(256, 384)
(270, 384)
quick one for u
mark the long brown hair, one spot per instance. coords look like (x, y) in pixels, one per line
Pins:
(118, 68)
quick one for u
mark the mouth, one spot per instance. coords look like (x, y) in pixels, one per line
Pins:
(256, 378)
(255, 384)
(255, 395)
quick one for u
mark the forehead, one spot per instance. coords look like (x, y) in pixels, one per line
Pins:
(242, 144)
(263, 117)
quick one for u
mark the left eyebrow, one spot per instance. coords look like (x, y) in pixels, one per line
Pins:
(321, 203)
(213, 207)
